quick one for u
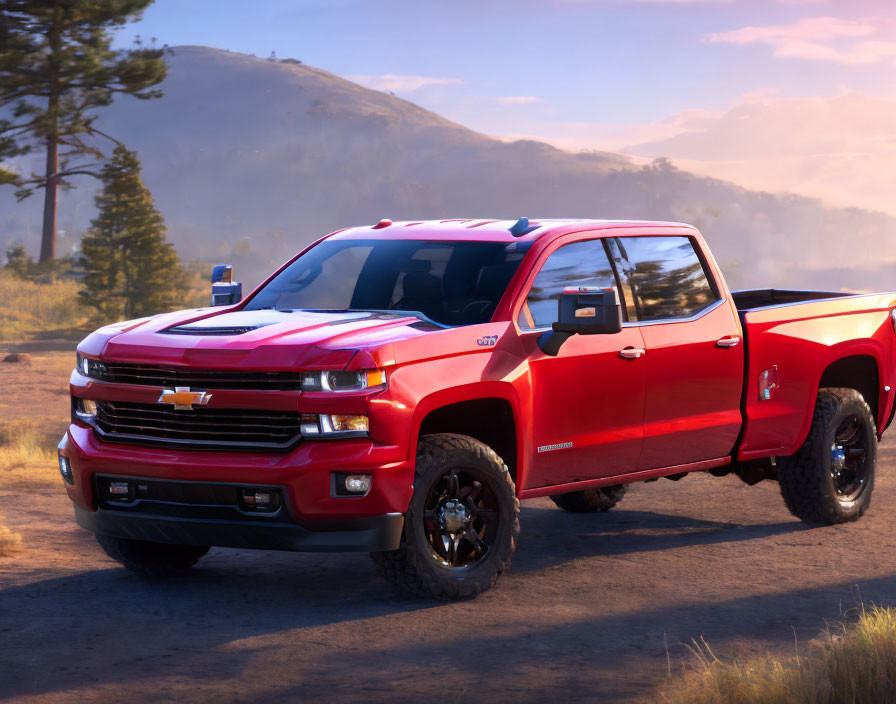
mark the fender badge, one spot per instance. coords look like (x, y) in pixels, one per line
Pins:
(183, 399)
(487, 341)
(556, 446)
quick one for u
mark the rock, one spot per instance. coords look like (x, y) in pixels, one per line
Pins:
(18, 358)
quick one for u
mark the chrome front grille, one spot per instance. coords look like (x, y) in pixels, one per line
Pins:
(169, 377)
(202, 428)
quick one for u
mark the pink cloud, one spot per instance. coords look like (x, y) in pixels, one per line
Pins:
(848, 42)
(808, 29)
(402, 83)
(517, 99)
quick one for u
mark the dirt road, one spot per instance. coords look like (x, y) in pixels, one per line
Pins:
(584, 614)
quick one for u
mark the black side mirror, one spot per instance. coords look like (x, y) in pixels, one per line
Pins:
(225, 291)
(583, 310)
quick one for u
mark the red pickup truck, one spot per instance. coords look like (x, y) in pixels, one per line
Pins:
(398, 389)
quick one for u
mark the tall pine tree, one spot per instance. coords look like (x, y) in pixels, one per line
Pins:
(131, 270)
(57, 67)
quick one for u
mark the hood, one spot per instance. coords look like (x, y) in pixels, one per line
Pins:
(259, 339)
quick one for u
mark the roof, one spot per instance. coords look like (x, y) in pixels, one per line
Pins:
(489, 230)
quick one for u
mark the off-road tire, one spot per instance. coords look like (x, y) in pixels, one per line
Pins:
(151, 559)
(806, 481)
(590, 500)
(413, 567)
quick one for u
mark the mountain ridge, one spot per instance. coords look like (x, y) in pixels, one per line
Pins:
(249, 159)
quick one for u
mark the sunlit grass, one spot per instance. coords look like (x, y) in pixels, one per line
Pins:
(25, 456)
(30, 307)
(10, 542)
(854, 664)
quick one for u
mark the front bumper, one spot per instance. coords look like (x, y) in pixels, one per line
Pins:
(372, 533)
(311, 519)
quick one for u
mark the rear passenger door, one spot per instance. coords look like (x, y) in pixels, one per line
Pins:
(588, 401)
(692, 347)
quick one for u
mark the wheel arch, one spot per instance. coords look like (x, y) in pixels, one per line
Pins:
(489, 416)
(859, 370)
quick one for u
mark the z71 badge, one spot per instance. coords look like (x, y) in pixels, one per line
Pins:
(487, 341)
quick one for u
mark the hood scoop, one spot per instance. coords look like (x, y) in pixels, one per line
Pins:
(234, 323)
(209, 330)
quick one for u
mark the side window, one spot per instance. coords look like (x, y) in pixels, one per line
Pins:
(577, 264)
(662, 277)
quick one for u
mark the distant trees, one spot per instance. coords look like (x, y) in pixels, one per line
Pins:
(56, 68)
(130, 269)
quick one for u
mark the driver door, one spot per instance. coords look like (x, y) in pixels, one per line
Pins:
(588, 401)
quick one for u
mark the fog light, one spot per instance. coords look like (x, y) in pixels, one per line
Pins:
(260, 500)
(345, 484)
(65, 469)
(357, 483)
(88, 407)
(119, 488)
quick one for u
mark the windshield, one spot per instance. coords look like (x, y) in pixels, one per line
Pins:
(450, 283)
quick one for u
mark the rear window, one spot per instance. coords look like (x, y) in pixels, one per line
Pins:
(662, 277)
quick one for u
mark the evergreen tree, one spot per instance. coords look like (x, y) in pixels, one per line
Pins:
(56, 68)
(131, 270)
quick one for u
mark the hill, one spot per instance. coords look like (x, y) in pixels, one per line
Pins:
(249, 159)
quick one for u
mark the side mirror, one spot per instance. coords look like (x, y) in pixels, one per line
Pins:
(225, 292)
(583, 310)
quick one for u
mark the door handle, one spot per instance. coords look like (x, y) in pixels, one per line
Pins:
(728, 341)
(631, 353)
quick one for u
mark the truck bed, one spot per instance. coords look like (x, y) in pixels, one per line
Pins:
(799, 335)
(765, 297)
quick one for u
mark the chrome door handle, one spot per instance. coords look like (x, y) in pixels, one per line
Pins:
(728, 341)
(631, 353)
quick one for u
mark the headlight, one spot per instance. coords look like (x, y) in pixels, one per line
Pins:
(93, 368)
(339, 381)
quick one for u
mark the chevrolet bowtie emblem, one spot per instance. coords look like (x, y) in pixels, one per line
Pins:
(183, 399)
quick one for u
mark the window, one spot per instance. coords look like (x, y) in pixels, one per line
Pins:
(577, 264)
(451, 283)
(662, 277)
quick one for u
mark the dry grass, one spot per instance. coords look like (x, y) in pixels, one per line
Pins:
(25, 455)
(854, 664)
(30, 307)
(10, 543)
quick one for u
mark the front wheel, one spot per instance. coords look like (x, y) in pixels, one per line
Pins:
(151, 559)
(830, 478)
(462, 524)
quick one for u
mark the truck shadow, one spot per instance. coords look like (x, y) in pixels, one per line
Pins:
(551, 536)
(251, 597)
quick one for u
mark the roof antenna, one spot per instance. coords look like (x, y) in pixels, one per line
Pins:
(522, 227)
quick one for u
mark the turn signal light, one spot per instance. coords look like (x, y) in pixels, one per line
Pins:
(333, 424)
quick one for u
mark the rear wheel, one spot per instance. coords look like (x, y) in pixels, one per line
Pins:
(590, 500)
(152, 559)
(462, 524)
(831, 477)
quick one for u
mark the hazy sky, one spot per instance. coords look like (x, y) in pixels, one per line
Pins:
(605, 74)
